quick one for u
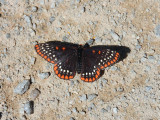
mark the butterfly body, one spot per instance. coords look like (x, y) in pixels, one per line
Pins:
(70, 58)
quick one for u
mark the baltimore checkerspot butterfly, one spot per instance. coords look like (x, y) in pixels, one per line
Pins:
(70, 58)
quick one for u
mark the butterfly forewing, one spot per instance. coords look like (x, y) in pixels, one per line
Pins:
(94, 59)
(63, 55)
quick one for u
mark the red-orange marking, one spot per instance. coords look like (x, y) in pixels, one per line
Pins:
(93, 79)
(55, 68)
(82, 78)
(45, 57)
(70, 77)
(59, 75)
(57, 48)
(36, 45)
(116, 58)
(56, 72)
(48, 60)
(90, 80)
(42, 55)
(52, 62)
(93, 51)
(109, 63)
(86, 79)
(38, 51)
(63, 48)
(99, 52)
(112, 62)
(62, 76)
(102, 67)
(96, 76)
(37, 48)
(98, 73)
(105, 65)
(66, 77)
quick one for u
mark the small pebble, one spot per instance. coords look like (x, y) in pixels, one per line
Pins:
(148, 88)
(143, 59)
(52, 18)
(29, 107)
(148, 68)
(151, 58)
(9, 79)
(22, 87)
(98, 40)
(34, 9)
(83, 112)
(74, 110)
(8, 35)
(103, 110)
(72, 118)
(27, 19)
(34, 94)
(115, 110)
(43, 75)
(120, 89)
(91, 96)
(32, 32)
(83, 97)
(91, 107)
(33, 60)
(114, 35)
(157, 30)
(114, 68)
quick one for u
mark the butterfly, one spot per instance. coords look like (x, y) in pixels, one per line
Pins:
(69, 58)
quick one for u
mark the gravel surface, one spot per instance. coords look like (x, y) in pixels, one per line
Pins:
(29, 88)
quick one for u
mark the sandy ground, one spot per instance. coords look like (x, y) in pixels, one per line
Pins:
(129, 90)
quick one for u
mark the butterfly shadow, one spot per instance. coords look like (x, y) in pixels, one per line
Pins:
(122, 50)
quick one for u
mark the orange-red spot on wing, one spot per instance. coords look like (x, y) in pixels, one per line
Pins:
(98, 73)
(115, 58)
(112, 62)
(66, 77)
(105, 65)
(57, 48)
(42, 55)
(102, 67)
(108, 63)
(48, 60)
(99, 52)
(63, 48)
(62, 76)
(59, 75)
(56, 71)
(55, 68)
(93, 79)
(82, 78)
(96, 76)
(93, 51)
(86, 79)
(45, 57)
(90, 80)
(36, 46)
(70, 77)
(38, 51)
(52, 62)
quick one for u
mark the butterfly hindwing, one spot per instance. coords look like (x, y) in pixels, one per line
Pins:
(63, 55)
(94, 59)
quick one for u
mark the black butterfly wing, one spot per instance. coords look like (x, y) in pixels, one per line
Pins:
(94, 59)
(62, 54)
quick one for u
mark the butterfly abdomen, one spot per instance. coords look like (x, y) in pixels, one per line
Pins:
(79, 62)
